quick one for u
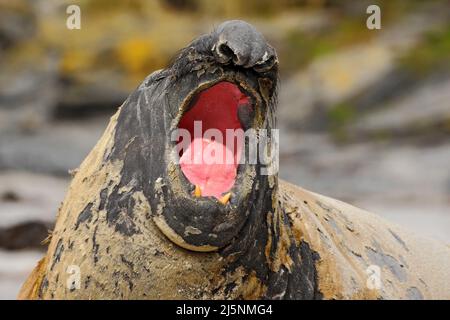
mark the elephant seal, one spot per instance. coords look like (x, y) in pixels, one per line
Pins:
(133, 224)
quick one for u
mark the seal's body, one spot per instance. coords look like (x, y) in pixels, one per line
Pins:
(133, 226)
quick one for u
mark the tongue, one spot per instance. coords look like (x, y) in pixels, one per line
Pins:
(209, 165)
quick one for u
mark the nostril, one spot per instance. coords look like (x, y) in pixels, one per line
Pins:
(265, 65)
(226, 52)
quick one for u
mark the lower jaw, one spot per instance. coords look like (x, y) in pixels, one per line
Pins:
(183, 213)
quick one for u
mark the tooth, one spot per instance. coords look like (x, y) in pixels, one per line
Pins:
(197, 191)
(225, 198)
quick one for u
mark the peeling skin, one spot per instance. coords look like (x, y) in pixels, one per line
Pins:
(192, 230)
(132, 226)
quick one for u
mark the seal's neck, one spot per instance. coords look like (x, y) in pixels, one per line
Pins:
(277, 265)
(255, 246)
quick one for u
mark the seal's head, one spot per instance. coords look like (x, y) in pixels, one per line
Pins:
(193, 137)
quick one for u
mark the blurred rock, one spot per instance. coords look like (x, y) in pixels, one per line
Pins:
(102, 94)
(330, 80)
(55, 148)
(28, 235)
(336, 78)
(35, 198)
(423, 110)
(119, 44)
(17, 22)
(28, 77)
(28, 95)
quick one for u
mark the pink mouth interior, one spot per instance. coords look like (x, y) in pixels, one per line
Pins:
(216, 108)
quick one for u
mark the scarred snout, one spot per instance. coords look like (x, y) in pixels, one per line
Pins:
(238, 42)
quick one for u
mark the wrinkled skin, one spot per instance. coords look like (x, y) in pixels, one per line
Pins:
(129, 227)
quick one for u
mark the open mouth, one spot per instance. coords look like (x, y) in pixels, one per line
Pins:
(211, 150)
